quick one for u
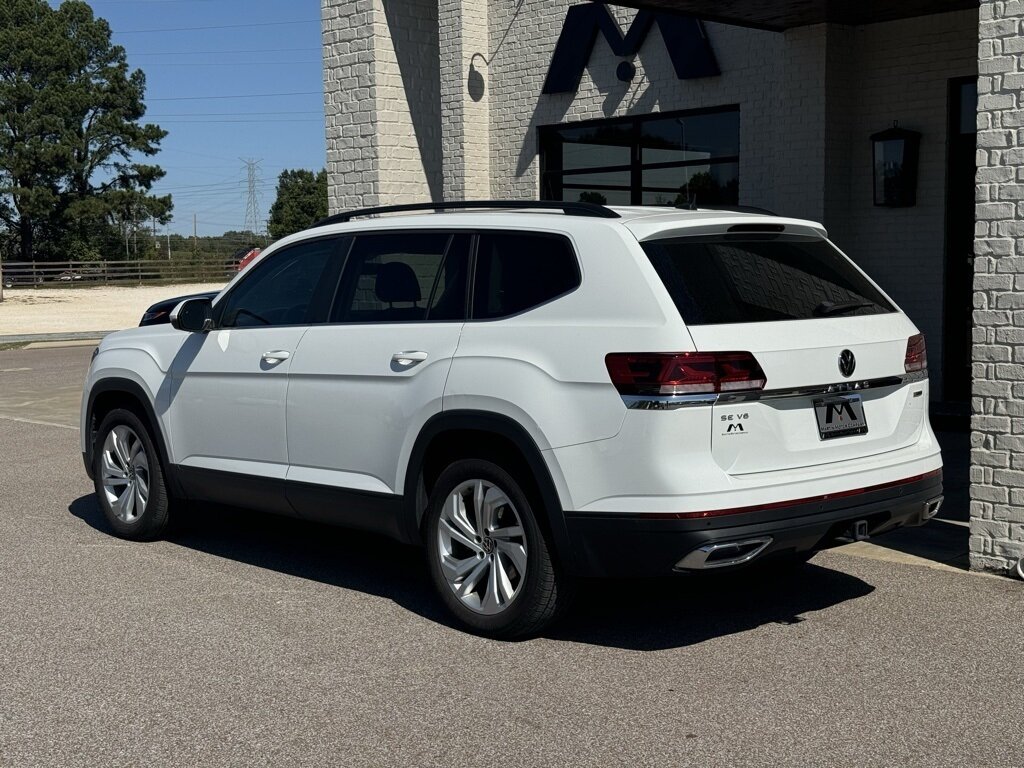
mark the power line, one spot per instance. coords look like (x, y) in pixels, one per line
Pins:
(232, 114)
(259, 51)
(156, 64)
(199, 122)
(218, 26)
(238, 96)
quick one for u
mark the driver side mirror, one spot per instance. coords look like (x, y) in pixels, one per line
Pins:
(193, 315)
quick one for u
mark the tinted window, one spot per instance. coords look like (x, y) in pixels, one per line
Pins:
(515, 272)
(747, 279)
(404, 276)
(286, 289)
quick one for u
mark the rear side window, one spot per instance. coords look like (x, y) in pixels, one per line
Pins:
(761, 278)
(404, 277)
(516, 272)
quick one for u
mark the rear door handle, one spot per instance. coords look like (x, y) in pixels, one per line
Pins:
(276, 356)
(408, 359)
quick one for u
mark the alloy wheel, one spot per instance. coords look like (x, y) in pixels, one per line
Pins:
(482, 546)
(125, 473)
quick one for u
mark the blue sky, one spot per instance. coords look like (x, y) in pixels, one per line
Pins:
(280, 53)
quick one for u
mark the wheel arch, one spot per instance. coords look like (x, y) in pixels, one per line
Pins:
(493, 437)
(115, 392)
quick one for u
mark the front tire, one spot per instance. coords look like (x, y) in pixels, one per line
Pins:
(129, 480)
(487, 554)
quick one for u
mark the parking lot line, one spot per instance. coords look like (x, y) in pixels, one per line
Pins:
(40, 423)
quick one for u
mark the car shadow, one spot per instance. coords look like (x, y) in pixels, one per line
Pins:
(636, 614)
(944, 539)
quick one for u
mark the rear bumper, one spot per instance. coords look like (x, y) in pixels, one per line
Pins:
(645, 544)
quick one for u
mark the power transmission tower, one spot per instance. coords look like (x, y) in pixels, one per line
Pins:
(252, 205)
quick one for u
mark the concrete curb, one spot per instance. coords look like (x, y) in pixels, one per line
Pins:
(67, 336)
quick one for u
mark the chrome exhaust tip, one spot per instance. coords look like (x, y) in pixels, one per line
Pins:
(723, 554)
(928, 510)
(931, 508)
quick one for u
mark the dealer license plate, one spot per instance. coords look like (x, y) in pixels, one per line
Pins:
(840, 416)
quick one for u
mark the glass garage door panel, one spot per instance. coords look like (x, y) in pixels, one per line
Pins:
(582, 156)
(712, 135)
(716, 184)
(660, 159)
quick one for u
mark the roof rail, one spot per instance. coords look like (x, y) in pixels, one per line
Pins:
(569, 209)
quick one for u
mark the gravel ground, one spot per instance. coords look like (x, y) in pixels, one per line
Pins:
(99, 308)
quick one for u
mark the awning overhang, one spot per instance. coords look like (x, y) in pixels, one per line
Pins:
(780, 15)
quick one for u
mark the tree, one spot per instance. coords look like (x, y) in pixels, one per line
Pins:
(70, 131)
(301, 201)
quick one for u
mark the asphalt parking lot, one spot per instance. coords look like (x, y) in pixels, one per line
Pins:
(250, 640)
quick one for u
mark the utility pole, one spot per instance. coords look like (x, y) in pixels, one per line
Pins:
(252, 205)
(167, 231)
(195, 237)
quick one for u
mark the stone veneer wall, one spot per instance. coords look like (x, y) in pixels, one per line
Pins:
(997, 436)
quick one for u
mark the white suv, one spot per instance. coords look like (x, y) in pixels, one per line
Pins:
(536, 392)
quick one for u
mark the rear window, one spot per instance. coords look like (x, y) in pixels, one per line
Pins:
(761, 278)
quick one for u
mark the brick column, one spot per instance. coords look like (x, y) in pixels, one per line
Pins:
(382, 98)
(997, 424)
(465, 93)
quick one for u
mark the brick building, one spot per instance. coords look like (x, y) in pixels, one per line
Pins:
(771, 104)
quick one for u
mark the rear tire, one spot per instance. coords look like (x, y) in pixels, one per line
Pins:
(129, 479)
(488, 556)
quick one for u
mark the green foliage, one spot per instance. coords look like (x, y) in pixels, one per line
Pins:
(70, 133)
(301, 201)
(703, 189)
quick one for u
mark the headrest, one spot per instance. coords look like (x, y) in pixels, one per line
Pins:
(397, 282)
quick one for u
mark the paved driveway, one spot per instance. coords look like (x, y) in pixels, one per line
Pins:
(250, 640)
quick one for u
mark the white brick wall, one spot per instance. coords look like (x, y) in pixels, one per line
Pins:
(465, 105)
(349, 103)
(382, 94)
(997, 437)
(408, 100)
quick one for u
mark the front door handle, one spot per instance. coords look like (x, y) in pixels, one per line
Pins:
(276, 356)
(408, 359)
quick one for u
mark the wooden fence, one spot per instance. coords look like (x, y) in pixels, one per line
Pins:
(55, 274)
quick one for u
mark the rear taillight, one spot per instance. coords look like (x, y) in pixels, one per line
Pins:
(917, 356)
(684, 373)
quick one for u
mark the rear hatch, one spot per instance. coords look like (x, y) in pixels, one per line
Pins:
(832, 347)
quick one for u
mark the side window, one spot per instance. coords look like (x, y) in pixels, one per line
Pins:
(404, 277)
(287, 289)
(516, 272)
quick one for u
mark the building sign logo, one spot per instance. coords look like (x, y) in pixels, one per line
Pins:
(684, 37)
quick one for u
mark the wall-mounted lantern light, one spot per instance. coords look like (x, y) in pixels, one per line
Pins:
(895, 166)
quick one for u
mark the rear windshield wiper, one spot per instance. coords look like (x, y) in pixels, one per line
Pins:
(827, 308)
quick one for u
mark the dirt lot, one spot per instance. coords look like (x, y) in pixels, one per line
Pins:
(72, 310)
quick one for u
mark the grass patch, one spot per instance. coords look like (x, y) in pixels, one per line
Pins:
(14, 345)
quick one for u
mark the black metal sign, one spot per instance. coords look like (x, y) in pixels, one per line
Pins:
(684, 37)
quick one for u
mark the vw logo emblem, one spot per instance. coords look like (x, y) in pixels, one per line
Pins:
(847, 363)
